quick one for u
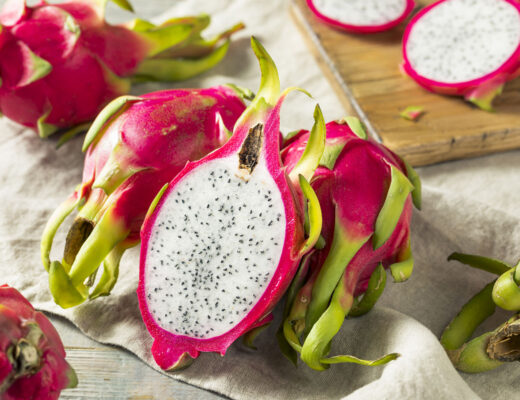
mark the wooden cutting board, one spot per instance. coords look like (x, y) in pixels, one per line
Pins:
(364, 72)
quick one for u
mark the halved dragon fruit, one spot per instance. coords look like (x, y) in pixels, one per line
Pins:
(465, 48)
(32, 357)
(224, 240)
(365, 199)
(61, 64)
(362, 16)
(134, 147)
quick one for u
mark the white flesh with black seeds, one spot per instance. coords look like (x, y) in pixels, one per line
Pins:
(462, 40)
(362, 12)
(214, 247)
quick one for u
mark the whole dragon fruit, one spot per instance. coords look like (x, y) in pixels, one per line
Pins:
(224, 240)
(464, 48)
(490, 349)
(61, 64)
(32, 357)
(364, 195)
(362, 16)
(134, 147)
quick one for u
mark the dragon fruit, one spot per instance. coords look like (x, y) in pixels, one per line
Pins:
(490, 349)
(134, 147)
(32, 357)
(464, 48)
(61, 64)
(365, 199)
(362, 16)
(224, 240)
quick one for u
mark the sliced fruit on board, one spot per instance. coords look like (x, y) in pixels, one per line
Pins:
(464, 48)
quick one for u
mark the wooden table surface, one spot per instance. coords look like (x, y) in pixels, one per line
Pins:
(109, 372)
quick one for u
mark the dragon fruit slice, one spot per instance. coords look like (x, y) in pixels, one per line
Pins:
(464, 48)
(491, 349)
(224, 241)
(134, 147)
(365, 199)
(32, 357)
(362, 16)
(61, 64)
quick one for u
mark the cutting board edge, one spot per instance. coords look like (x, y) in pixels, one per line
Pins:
(426, 155)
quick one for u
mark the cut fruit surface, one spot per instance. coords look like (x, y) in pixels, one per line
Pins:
(448, 45)
(207, 244)
(464, 47)
(361, 15)
(223, 242)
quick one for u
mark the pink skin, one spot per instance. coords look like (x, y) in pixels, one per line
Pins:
(355, 190)
(130, 156)
(410, 4)
(68, 99)
(136, 140)
(171, 351)
(82, 62)
(46, 384)
(470, 89)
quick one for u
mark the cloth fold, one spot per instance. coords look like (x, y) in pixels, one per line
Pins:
(468, 206)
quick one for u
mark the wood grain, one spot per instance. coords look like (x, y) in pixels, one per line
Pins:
(112, 373)
(109, 373)
(364, 72)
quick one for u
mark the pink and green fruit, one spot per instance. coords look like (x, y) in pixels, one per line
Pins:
(32, 357)
(223, 241)
(60, 64)
(365, 193)
(134, 147)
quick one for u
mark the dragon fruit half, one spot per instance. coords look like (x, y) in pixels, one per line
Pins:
(225, 238)
(362, 16)
(465, 48)
(490, 349)
(32, 357)
(365, 199)
(134, 147)
(61, 64)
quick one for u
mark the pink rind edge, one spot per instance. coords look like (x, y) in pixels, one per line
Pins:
(287, 261)
(364, 29)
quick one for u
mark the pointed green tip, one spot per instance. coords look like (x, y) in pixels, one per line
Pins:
(401, 271)
(413, 176)
(270, 82)
(45, 129)
(400, 188)
(124, 4)
(314, 149)
(243, 93)
(314, 215)
(156, 201)
(63, 291)
(71, 133)
(491, 265)
(41, 68)
(376, 286)
(356, 126)
(72, 378)
(483, 97)
(108, 112)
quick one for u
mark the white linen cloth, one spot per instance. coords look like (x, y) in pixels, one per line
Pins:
(469, 206)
